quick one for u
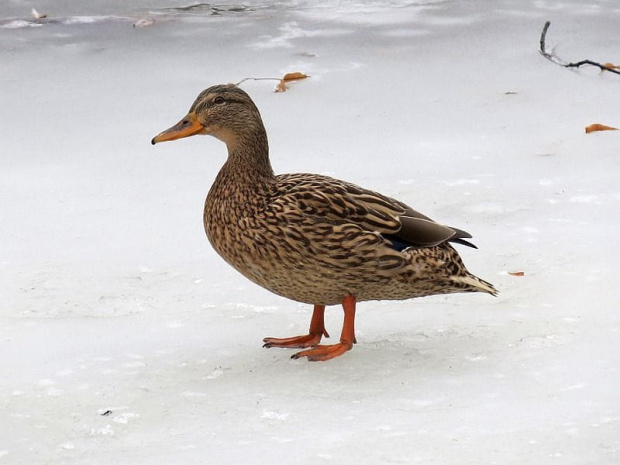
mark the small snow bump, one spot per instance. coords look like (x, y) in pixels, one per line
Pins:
(574, 387)
(124, 417)
(108, 371)
(583, 198)
(136, 364)
(105, 431)
(215, 374)
(485, 208)
(461, 182)
(193, 394)
(274, 415)
(54, 392)
(422, 402)
(67, 446)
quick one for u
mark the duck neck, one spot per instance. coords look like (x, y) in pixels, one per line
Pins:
(249, 154)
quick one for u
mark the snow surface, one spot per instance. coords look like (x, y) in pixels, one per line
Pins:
(124, 339)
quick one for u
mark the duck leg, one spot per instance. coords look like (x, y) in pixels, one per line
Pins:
(321, 353)
(317, 331)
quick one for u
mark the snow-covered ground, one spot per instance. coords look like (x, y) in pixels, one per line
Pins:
(124, 339)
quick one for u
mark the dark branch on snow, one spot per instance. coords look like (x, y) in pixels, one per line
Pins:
(551, 57)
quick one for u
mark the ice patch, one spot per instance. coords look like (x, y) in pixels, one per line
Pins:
(90, 19)
(289, 32)
(20, 23)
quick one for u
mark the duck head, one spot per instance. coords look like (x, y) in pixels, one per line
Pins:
(223, 111)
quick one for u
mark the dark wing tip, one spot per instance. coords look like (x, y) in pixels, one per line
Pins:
(458, 240)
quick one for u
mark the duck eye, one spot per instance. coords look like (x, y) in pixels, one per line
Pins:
(218, 100)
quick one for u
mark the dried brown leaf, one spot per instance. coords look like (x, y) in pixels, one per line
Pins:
(516, 273)
(296, 76)
(599, 127)
(281, 87)
(611, 65)
(289, 77)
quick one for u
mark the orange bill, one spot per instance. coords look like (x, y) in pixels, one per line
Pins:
(188, 126)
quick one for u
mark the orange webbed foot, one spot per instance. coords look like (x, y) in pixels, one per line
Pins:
(322, 353)
(296, 342)
(317, 331)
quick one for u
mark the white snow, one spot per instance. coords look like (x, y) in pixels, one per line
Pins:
(125, 339)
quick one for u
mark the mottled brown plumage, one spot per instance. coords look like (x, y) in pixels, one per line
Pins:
(313, 238)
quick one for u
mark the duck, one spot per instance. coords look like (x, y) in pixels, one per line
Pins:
(313, 238)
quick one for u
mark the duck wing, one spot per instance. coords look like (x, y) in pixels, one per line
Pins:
(338, 202)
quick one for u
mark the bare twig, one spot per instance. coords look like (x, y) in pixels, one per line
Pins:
(258, 79)
(543, 38)
(551, 57)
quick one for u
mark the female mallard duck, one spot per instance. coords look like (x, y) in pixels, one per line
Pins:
(312, 238)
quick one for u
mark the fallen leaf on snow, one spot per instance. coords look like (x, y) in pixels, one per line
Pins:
(289, 77)
(516, 273)
(611, 65)
(599, 127)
